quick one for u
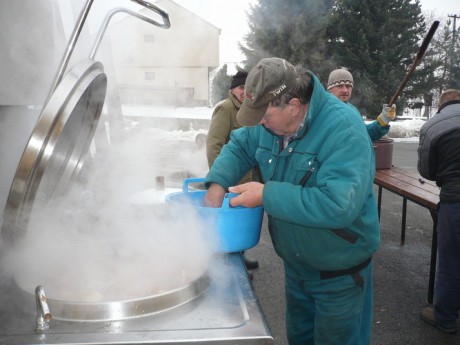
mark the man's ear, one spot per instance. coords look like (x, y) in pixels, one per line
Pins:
(296, 106)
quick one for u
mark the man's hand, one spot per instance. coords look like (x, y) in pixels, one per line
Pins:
(214, 196)
(250, 194)
(387, 114)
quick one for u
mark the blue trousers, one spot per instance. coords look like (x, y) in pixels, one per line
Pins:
(329, 311)
(447, 288)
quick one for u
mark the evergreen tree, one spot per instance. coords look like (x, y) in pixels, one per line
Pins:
(220, 85)
(294, 30)
(378, 41)
(438, 59)
(453, 81)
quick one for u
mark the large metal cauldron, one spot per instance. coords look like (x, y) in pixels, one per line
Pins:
(228, 313)
(181, 313)
(52, 158)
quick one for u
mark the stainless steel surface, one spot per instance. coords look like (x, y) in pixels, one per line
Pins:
(228, 313)
(116, 310)
(57, 146)
(219, 307)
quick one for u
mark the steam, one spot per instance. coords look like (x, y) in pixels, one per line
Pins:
(93, 245)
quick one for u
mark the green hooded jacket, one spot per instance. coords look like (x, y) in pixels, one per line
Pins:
(374, 129)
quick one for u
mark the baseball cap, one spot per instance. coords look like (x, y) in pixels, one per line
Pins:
(267, 81)
(339, 77)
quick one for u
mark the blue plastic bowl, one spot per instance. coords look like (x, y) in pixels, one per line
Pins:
(238, 228)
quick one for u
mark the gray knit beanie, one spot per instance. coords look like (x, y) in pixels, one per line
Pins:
(339, 77)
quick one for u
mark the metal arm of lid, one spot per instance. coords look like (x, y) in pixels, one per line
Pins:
(79, 26)
(166, 24)
(70, 47)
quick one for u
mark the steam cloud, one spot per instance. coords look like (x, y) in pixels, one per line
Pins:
(93, 245)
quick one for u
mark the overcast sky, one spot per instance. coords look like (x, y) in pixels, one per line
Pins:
(230, 16)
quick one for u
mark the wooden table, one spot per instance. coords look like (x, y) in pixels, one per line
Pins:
(411, 186)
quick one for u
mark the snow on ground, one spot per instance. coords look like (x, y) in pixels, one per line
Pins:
(405, 130)
(401, 130)
(171, 141)
(201, 113)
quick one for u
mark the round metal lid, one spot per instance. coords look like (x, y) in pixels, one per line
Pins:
(186, 290)
(57, 146)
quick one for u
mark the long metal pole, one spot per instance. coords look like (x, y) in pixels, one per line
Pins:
(70, 47)
(417, 61)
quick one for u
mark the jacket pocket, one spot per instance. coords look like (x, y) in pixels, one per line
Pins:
(305, 167)
(345, 235)
(267, 163)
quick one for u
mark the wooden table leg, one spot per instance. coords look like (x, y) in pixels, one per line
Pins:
(379, 200)
(403, 222)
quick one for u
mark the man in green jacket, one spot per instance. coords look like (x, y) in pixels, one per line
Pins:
(340, 84)
(223, 120)
(318, 166)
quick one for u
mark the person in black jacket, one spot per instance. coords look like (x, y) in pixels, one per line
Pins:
(439, 160)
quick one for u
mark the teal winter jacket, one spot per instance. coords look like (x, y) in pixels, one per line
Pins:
(374, 129)
(331, 222)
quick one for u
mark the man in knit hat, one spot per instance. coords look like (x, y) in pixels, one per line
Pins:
(223, 122)
(340, 84)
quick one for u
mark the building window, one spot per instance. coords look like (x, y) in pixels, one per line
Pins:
(149, 75)
(149, 38)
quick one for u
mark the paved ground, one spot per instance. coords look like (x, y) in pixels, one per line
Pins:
(401, 273)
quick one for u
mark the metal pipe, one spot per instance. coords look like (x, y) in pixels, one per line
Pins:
(70, 46)
(43, 313)
(156, 9)
(79, 26)
(165, 25)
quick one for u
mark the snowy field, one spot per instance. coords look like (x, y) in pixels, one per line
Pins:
(401, 130)
(167, 140)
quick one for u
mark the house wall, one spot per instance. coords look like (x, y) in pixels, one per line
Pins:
(164, 66)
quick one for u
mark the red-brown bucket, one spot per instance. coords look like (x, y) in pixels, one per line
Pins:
(383, 153)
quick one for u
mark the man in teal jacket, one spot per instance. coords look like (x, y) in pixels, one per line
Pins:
(340, 84)
(318, 165)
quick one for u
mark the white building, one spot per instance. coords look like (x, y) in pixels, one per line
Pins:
(164, 66)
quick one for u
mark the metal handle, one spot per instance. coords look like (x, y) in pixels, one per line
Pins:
(79, 25)
(165, 25)
(70, 47)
